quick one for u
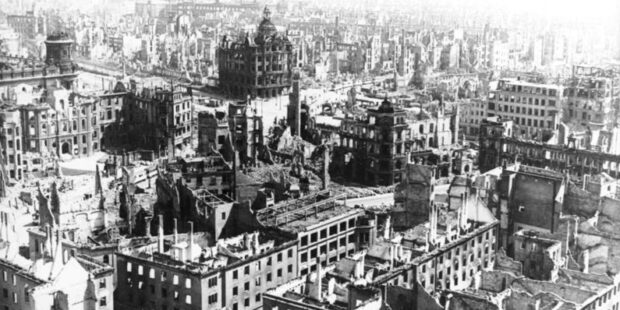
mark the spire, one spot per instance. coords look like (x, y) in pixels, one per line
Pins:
(267, 13)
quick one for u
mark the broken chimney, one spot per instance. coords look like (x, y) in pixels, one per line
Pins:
(160, 234)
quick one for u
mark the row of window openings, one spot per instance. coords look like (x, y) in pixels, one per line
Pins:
(258, 280)
(584, 115)
(399, 134)
(323, 249)
(246, 269)
(9, 131)
(464, 259)
(529, 90)
(324, 263)
(33, 143)
(529, 111)
(605, 297)
(164, 292)
(523, 121)
(64, 127)
(181, 118)
(184, 105)
(333, 230)
(163, 275)
(211, 281)
(182, 131)
(455, 278)
(471, 244)
(72, 112)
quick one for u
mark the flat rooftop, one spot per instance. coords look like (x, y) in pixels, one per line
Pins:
(301, 214)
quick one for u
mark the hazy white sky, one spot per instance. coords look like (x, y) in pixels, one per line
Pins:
(604, 9)
(564, 8)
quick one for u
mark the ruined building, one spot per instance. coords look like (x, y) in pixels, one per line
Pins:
(200, 190)
(58, 69)
(498, 146)
(153, 118)
(259, 66)
(237, 129)
(414, 195)
(374, 145)
(537, 277)
(213, 132)
(246, 132)
(54, 281)
(536, 109)
(325, 230)
(458, 241)
(64, 123)
(592, 97)
(539, 210)
(182, 271)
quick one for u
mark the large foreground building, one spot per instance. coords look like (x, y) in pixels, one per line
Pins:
(186, 272)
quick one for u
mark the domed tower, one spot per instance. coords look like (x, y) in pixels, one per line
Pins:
(58, 51)
(266, 28)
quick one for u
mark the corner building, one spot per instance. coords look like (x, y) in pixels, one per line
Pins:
(259, 66)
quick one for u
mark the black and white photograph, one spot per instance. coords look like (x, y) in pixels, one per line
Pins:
(309, 155)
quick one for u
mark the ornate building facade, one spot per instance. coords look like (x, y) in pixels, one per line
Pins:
(259, 66)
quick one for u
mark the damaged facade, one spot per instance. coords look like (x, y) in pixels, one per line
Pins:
(257, 67)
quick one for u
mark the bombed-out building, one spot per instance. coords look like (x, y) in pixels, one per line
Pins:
(376, 144)
(191, 271)
(259, 66)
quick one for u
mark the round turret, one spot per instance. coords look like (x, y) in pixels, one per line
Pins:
(58, 50)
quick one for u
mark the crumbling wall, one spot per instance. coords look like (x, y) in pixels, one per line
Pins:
(580, 202)
(496, 281)
(412, 196)
(45, 213)
(610, 208)
(505, 263)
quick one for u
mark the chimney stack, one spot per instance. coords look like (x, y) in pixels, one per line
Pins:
(433, 223)
(160, 234)
(464, 208)
(148, 220)
(326, 177)
(567, 243)
(586, 180)
(387, 228)
(190, 253)
(319, 280)
(255, 243)
(48, 240)
(58, 249)
(586, 261)
(175, 231)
